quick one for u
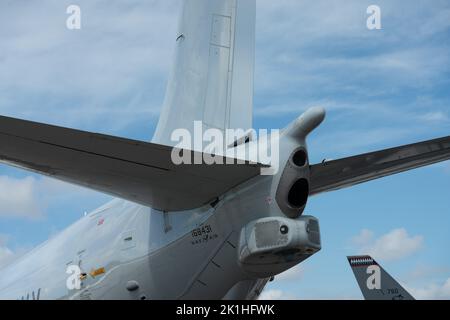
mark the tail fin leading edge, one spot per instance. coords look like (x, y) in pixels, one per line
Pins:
(375, 283)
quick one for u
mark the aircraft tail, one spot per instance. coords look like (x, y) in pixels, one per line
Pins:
(375, 283)
(212, 77)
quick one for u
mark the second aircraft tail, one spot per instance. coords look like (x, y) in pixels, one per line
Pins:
(375, 283)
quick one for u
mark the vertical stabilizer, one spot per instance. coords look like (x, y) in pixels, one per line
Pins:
(212, 77)
(375, 283)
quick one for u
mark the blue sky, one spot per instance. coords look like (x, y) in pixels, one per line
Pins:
(381, 88)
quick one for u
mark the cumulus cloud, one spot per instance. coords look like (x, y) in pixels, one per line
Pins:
(425, 271)
(114, 68)
(394, 245)
(6, 255)
(428, 281)
(295, 273)
(276, 294)
(312, 45)
(432, 291)
(18, 197)
(30, 196)
(437, 116)
(348, 142)
(363, 238)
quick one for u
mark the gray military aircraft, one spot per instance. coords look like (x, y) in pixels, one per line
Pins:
(375, 283)
(203, 231)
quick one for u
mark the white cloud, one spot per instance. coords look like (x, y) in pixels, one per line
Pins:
(432, 292)
(428, 281)
(363, 238)
(49, 187)
(18, 198)
(295, 273)
(425, 271)
(437, 116)
(276, 294)
(6, 255)
(29, 197)
(295, 108)
(394, 245)
(114, 68)
(349, 142)
(271, 295)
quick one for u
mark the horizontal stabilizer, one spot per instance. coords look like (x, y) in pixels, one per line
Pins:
(133, 170)
(342, 173)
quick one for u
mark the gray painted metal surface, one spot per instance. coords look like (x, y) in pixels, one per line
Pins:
(342, 173)
(134, 170)
(375, 283)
